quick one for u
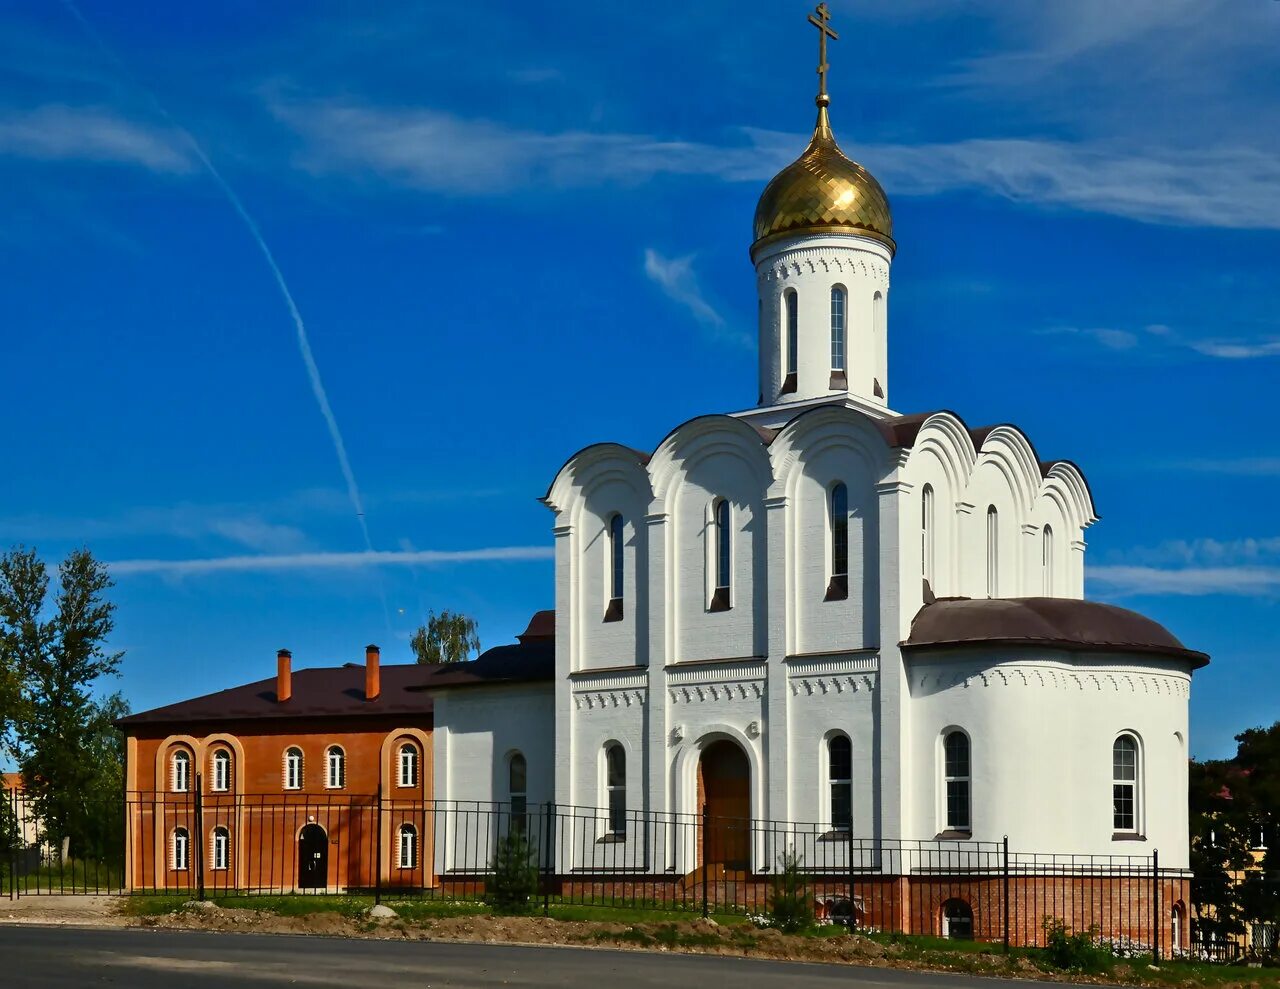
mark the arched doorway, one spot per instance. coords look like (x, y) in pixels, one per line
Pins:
(313, 858)
(957, 920)
(724, 782)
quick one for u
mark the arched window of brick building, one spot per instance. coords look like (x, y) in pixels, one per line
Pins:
(221, 774)
(407, 845)
(221, 851)
(407, 765)
(180, 771)
(293, 768)
(181, 850)
(957, 920)
(335, 761)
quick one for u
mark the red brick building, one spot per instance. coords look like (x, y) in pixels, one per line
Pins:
(304, 780)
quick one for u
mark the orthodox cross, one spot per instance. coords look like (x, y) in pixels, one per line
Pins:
(821, 19)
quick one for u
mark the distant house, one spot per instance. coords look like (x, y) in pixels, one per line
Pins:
(15, 795)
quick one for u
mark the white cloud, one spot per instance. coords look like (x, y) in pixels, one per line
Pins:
(1110, 338)
(1248, 567)
(329, 561)
(676, 278)
(1123, 581)
(89, 134)
(1236, 351)
(1239, 466)
(435, 151)
(1164, 337)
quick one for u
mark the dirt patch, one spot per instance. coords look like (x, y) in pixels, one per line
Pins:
(81, 910)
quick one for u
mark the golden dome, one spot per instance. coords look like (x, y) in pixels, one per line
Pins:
(823, 191)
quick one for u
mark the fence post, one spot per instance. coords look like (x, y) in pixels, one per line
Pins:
(548, 866)
(377, 844)
(852, 913)
(198, 849)
(1155, 905)
(1005, 868)
(706, 855)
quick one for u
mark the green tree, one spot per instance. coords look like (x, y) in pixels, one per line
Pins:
(513, 878)
(65, 743)
(1219, 848)
(790, 902)
(448, 637)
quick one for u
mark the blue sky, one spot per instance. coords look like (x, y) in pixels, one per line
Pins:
(507, 227)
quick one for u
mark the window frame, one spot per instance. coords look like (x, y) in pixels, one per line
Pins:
(993, 552)
(954, 783)
(845, 783)
(1046, 559)
(615, 793)
(410, 750)
(409, 831)
(329, 762)
(220, 849)
(840, 331)
(518, 798)
(927, 535)
(838, 525)
(289, 760)
(220, 764)
(1134, 786)
(615, 566)
(720, 558)
(180, 838)
(180, 757)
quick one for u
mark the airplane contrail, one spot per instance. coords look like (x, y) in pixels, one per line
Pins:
(304, 344)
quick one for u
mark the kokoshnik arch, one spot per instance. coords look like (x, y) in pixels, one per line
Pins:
(818, 609)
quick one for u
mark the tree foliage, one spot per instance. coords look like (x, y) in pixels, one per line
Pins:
(513, 878)
(1233, 803)
(790, 903)
(449, 637)
(70, 755)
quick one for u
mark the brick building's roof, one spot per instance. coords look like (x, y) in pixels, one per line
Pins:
(533, 658)
(324, 692)
(1061, 623)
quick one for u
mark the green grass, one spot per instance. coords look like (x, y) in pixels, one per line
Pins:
(72, 876)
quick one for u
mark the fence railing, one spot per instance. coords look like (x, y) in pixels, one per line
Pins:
(337, 842)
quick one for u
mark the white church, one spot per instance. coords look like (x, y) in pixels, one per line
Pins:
(824, 611)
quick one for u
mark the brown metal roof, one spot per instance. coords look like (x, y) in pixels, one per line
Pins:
(1060, 623)
(530, 660)
(324, 692)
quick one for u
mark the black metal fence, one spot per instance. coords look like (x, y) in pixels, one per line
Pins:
(220, 844)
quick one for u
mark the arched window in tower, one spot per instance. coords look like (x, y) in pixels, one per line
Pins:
(1124, 784)
(993, 552)
(791, 341)
(293, 768)
(838, 588)
(840, 780)
(955, 779)
(221, 770)
(181, 851)
(839, 306)
(335, 768)
(613, 607)
(722, 560)
(1046, 559)
(926, 535)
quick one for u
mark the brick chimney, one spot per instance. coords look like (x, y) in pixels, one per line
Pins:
(284, 675)
(372, 673)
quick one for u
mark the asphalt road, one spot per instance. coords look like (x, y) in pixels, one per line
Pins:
(62, 957)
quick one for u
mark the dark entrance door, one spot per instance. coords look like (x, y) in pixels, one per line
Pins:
(726, 787)
(313, 858)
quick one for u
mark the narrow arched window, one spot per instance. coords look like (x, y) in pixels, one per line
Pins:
(293, 769)
(926, 534)
(956, 780)
(839, 306)
(721, 517)
(335, 761)
(220, 853)
(791, 304)
(993, 552)
(1124, 783)
(840, 531)
(222, 770)
(615, 785)
(616, 546)
(840, 780)
(181, 852)
(957, 920)
(180, 772)
(407, 847)
(407, 765)
(1046, 559)
(518, 791)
